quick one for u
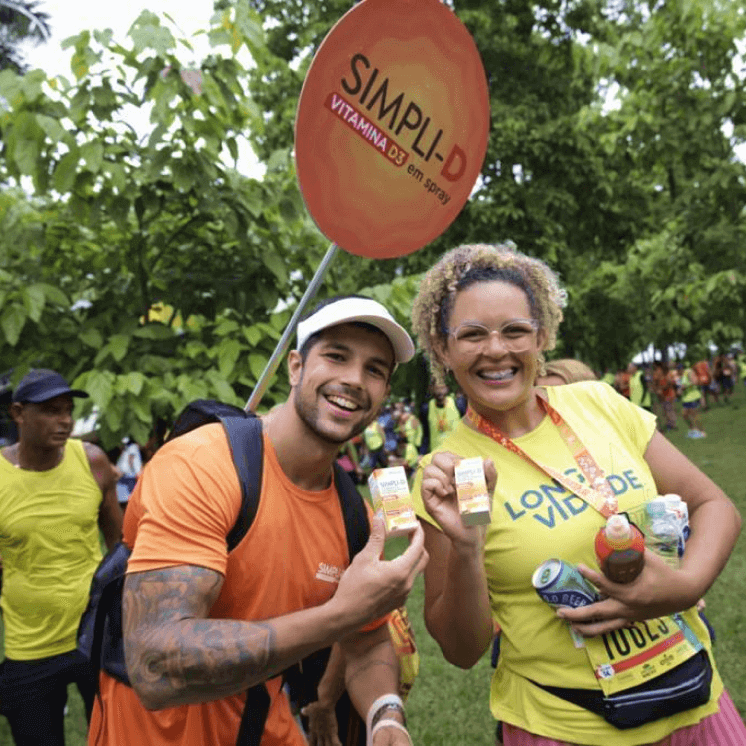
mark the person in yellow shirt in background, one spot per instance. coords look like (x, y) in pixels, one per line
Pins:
(442, 415)
(410, 426)
(691, 398)
(55, 495)
(374, 438)
(638, 390)
(406, 455)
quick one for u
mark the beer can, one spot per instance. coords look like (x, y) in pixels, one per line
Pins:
(561, 584)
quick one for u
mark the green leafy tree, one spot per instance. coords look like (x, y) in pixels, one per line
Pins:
(673, 138)
(144, 268)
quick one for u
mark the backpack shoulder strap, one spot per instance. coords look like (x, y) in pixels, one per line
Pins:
(100, 628)
(353, 511)
(247, 449)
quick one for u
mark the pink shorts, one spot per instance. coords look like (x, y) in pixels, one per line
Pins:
(724, 728)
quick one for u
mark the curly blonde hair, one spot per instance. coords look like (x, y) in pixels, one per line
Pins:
(472, 263)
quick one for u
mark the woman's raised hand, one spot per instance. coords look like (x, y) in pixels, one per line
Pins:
(438, 491)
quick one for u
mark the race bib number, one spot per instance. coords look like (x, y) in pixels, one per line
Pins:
(631, 656)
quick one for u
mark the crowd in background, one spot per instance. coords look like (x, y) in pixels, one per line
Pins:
(402, 433)
(682, 387)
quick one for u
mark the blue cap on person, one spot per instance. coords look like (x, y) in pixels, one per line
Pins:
(41, 385)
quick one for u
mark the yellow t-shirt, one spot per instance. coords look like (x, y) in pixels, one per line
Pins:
(373, 436)
(535, 519)
(689, 391)
(49, 541)
(638, 394)
(413, 431)
(441, 420)
(411, 457)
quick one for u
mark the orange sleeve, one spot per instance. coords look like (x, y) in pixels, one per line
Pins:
(190, 498)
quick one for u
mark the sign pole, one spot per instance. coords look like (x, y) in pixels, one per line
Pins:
(283, 345)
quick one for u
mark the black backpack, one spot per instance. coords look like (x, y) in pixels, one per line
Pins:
(100, 631)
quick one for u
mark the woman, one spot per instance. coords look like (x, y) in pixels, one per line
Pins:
(487, 314)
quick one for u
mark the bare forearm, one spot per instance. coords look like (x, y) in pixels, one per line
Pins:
(459, 617)
(715, 526)
(332, 683)
(372, 669)
(175, 654)
(111, 529)
(110, 519)
(714, 521)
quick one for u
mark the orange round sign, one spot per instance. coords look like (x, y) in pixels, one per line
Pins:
(392, 126)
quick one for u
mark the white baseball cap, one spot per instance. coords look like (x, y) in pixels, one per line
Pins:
(365, 310)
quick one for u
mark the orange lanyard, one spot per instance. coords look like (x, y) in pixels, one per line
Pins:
(599, 494)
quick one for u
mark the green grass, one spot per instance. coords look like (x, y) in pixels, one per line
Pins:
(447, 705)
(450, 706)
(722, 456)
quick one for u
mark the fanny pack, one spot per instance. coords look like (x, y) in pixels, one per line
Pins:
(682, 688)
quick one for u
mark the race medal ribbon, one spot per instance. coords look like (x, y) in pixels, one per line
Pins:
(599, 495)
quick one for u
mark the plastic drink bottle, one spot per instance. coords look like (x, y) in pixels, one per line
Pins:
(620, 548)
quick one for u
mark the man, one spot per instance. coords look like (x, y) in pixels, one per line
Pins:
(202, 626)
(375, 438)
(410, 427)
(638, 390)
(129, 465)
(704, 378)
(442, 415)
(728, 376)
(621, 382)
(55, 494)
(389, 421)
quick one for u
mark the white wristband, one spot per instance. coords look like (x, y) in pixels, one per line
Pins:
(393, 700)
(387, 723)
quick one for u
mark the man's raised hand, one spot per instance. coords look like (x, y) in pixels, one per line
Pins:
(371, 587)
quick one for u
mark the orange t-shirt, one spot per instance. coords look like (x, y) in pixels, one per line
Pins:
(184, 505)
(702, 369)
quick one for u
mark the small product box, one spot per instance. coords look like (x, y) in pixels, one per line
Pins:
(389, 492)
(471, 487)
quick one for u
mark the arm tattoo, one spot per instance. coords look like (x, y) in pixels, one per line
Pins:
(174, 654)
